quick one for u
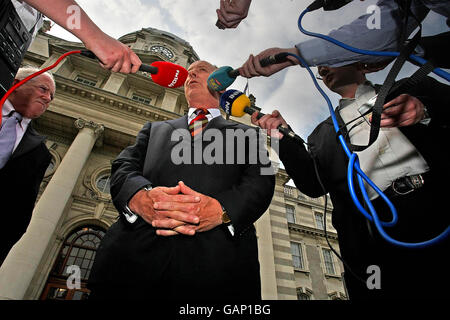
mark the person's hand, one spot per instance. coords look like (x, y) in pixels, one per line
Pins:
(113, 54)
(252, 68)
(208, 211)
(231, 13)
(405, 110)
(270, 122)
(143, 203)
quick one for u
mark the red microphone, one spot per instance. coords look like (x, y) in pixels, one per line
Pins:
(166, 74)
(169, 75)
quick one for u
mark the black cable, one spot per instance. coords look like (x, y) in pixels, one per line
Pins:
(325, 224)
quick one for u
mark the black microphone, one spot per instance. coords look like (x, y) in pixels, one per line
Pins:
(328, 5)
(223, 77)
(236, 104)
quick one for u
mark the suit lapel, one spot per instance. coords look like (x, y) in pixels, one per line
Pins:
(220, 123)
(30, 140)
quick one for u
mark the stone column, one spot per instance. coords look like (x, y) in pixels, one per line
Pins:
(23, 260)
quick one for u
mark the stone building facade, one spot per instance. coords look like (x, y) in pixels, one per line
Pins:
(95, 115)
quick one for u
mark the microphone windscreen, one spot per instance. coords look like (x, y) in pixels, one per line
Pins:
(220, 79)
(233, 102)
(169, 75)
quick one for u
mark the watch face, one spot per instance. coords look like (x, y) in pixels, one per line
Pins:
(163, 50)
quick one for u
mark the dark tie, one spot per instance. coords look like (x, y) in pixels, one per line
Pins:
(199, 122)
(8, 137)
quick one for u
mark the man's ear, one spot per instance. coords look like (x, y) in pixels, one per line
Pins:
(375, 66)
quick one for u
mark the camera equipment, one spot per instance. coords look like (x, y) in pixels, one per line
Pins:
(14, 42)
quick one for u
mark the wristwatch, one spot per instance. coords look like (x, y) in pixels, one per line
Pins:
(225, 218)
(130, 215)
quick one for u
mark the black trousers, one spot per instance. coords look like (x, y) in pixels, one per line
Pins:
(404, 273)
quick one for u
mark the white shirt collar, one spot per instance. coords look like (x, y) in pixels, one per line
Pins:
(213, 112)
(6, 110)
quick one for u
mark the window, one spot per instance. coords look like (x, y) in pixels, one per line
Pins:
(50, 168)
(141, 99)
(289, 191)
(78, 249)
(86, 81)
(303, 296)
(290, 213)
(103, 183)
(297, 255)
(319, 220)
(328, 261)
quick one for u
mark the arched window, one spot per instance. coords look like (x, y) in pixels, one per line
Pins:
(102, 183)
(77, 253)
(303, 294)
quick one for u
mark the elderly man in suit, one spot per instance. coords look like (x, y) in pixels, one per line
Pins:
(23, 154)
(186, 232)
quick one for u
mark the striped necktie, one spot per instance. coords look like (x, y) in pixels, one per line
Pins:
(199, 122)
(8, 137)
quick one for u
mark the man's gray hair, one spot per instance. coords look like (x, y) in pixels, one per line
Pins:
(24, 72)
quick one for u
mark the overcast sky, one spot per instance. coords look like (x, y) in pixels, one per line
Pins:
(269, 24)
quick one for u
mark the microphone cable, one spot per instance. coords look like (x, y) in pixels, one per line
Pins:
(441, 73)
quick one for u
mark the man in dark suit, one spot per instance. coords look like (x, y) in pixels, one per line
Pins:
(407, 165)
(186, 232)
(23, 155)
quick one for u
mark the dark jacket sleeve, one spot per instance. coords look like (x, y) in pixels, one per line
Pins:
(127, 170)
(299, 165)
(246, 201)
(435, 96)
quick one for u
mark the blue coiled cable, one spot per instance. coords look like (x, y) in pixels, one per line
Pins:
(443, 74)
(353, 158)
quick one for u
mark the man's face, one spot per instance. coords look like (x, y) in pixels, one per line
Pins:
(33, 98)
(196, 85)
(335, 78)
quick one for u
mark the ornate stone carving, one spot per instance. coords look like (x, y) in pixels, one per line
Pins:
(81, 123)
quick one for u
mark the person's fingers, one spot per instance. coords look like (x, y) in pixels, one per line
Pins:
(275, 113)
(186, 190)
(263, 121)
(135, 61)
(117, 66)
(254, 119)
(178, 230)
(401, 98)
(188, 208)
(166, 223)
(171, 190)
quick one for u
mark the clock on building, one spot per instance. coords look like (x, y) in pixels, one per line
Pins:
(161, 49)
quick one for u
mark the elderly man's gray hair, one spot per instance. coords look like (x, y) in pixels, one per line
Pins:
(26, 71)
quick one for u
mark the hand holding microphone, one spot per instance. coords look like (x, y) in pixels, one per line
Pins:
(164, 73)
(254, 68)
(236, 104)
(223, 77)
(270, 122)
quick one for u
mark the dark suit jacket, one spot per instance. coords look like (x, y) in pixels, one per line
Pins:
(211, 264)
(20, 179)
(421, 213)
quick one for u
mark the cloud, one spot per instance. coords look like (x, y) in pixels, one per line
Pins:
(269, 24)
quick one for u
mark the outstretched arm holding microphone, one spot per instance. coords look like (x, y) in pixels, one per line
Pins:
(113, 54)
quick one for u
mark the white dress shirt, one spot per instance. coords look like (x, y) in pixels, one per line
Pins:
(391, 156)
(21, 127)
